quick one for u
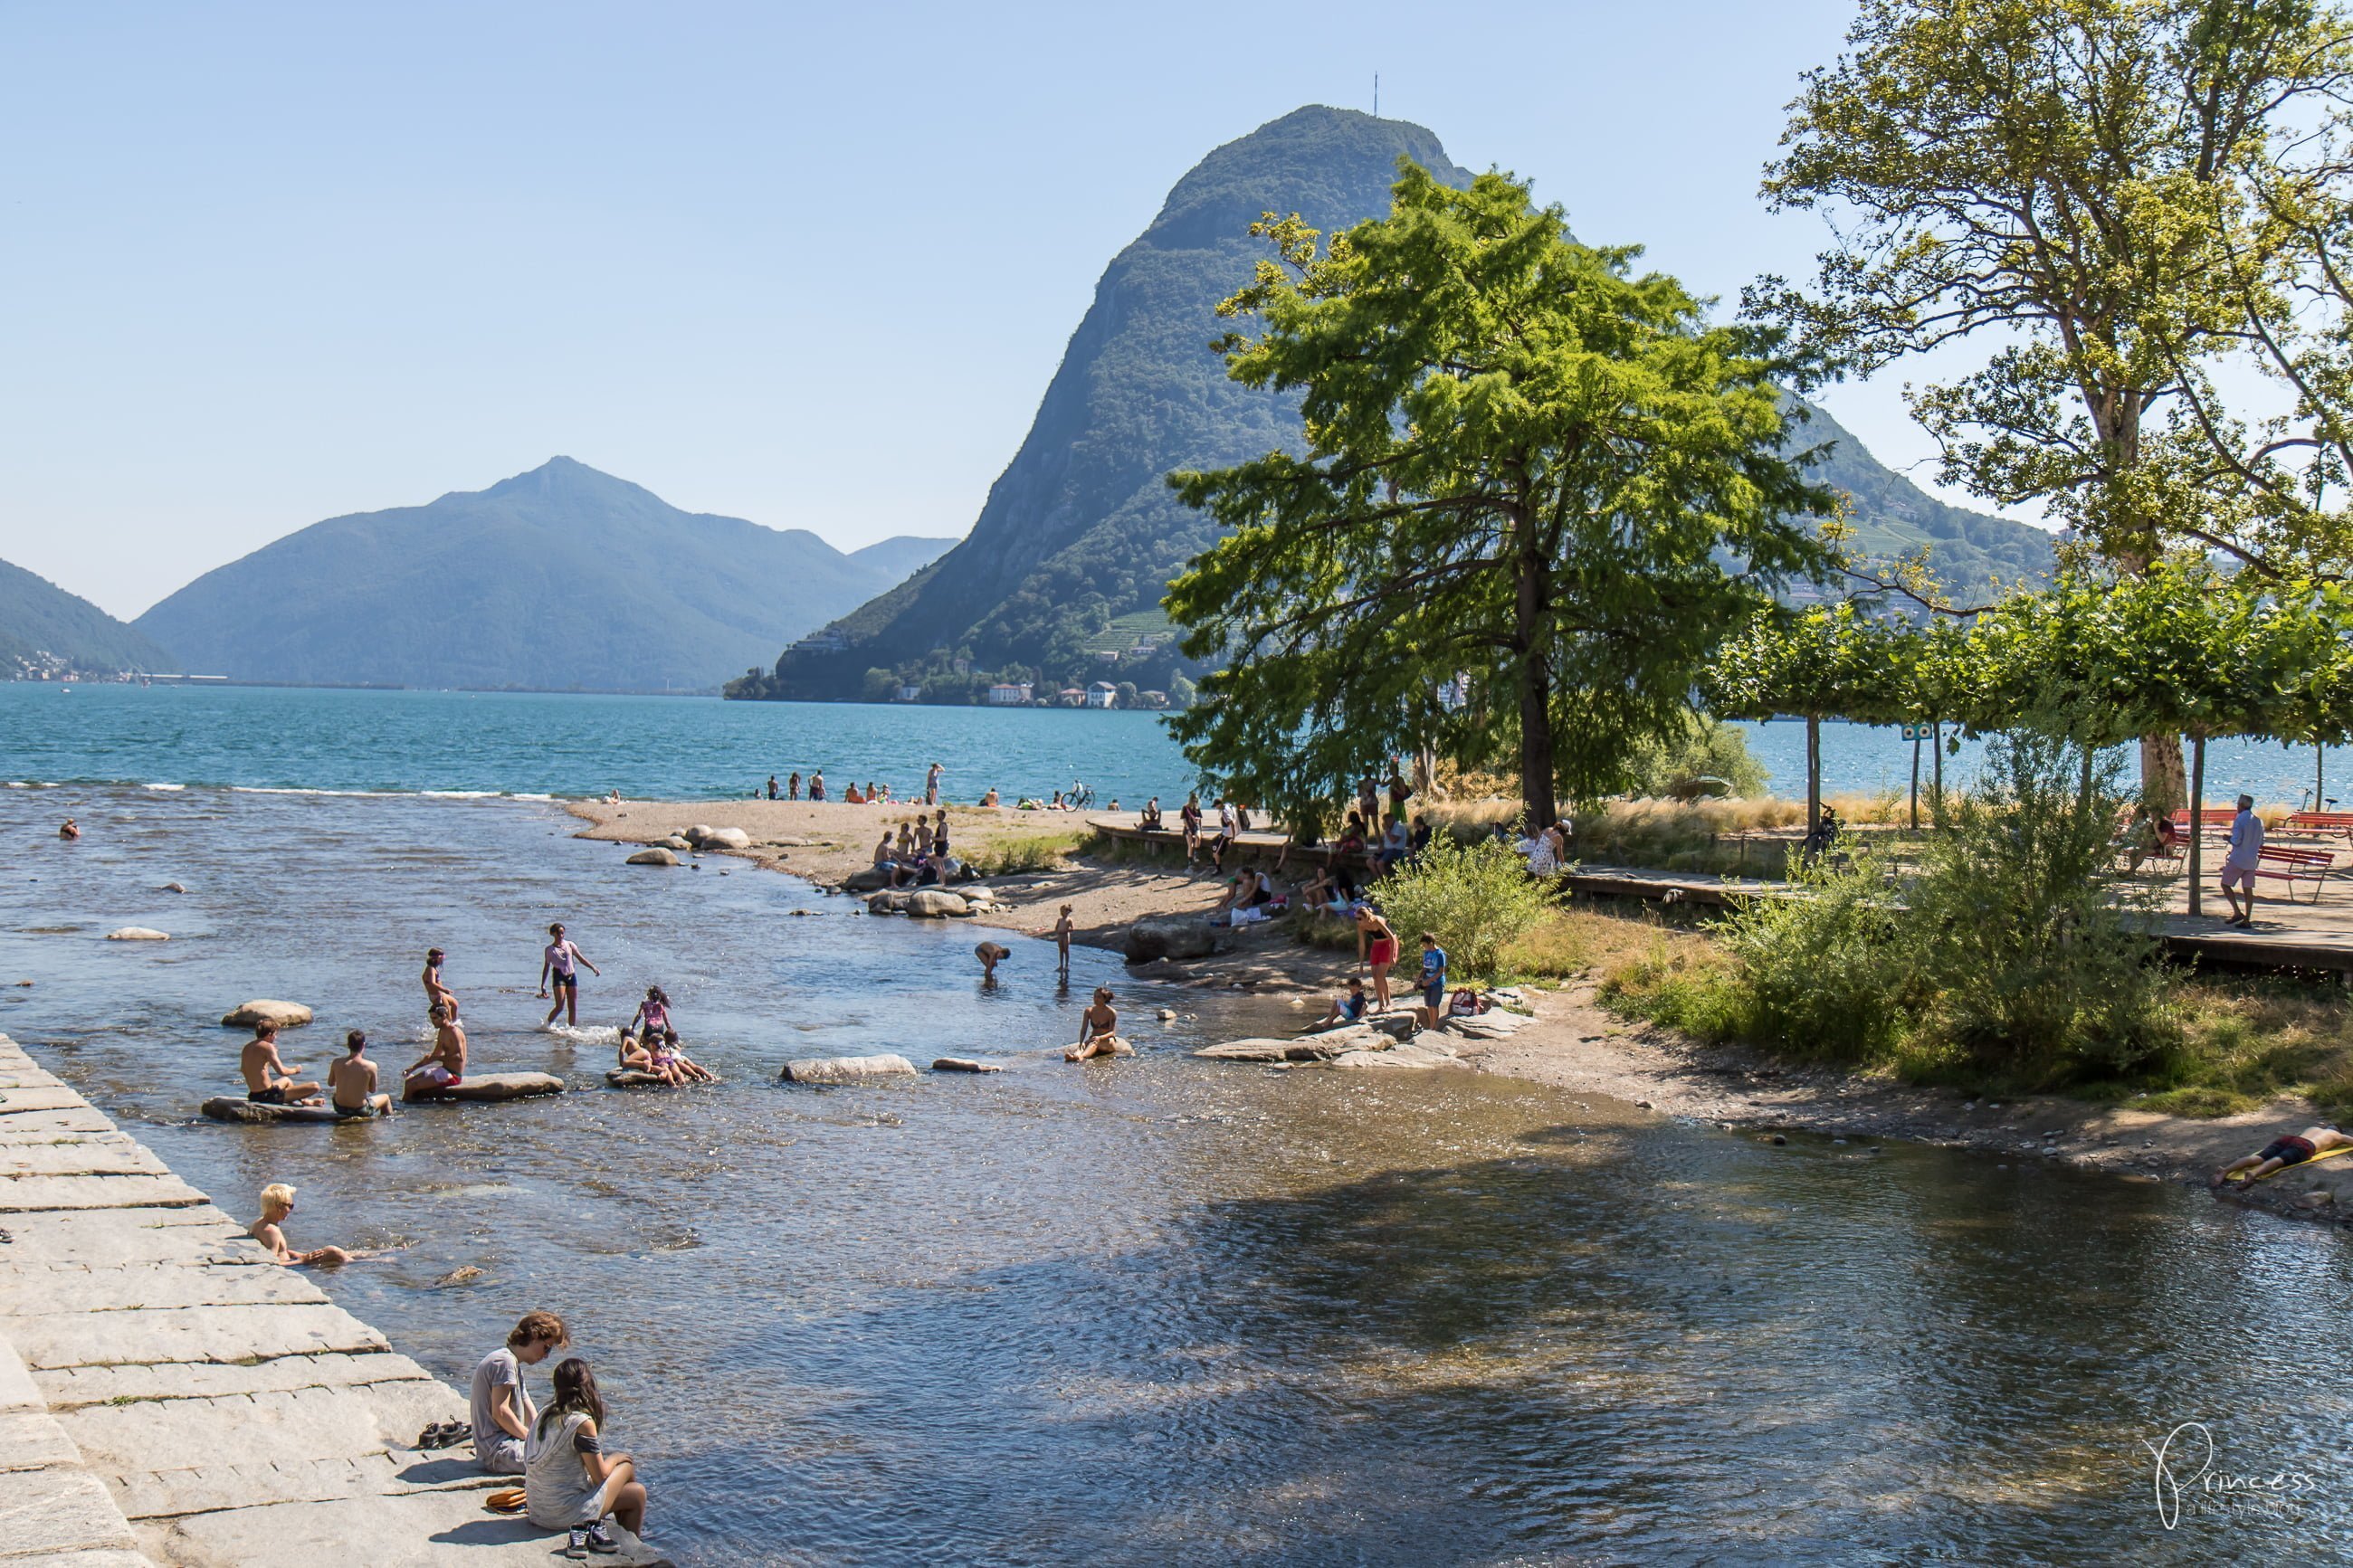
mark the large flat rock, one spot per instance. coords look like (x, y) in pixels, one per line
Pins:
(66, 1388)
(59, 1511)
(187, 1334)
(29, 1440)
(192, 1233)
(80, 1154)
(180, 1443)
(75, 1287)
(101, 1557)
(28, 1194)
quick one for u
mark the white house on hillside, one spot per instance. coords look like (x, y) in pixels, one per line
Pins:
(1009, 695)
(1103, 694)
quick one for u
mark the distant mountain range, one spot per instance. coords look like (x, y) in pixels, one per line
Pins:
(1080, 535)
(47, 633)
(560, 579)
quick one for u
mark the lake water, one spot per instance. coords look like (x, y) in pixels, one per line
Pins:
(673, 748)
(1157, 1310)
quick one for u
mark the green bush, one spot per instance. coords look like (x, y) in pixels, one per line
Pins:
(1705, 748)
(1820, 975)
(1476, 897)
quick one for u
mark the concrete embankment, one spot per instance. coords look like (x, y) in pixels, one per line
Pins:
(171, 1396)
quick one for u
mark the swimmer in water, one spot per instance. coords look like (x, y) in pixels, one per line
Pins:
(277, 1203)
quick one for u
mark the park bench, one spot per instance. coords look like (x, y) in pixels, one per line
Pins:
(2214, 820)
(2339, 823)
(2294, 865)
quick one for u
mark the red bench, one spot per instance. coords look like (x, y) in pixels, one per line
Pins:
(2293, 866)
(2214, 820)
(2337, 822)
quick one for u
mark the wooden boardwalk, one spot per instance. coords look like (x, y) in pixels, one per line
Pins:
(2287, 935)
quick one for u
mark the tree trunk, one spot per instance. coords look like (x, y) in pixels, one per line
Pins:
(2197, 818)
(1937, 780)
(1916, 778)
(1536, 680)
(2161, 780)
(1813, 771)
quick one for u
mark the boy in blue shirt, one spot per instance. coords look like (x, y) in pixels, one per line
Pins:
(1433, 983)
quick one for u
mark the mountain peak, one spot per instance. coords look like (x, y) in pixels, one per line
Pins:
(568, 478)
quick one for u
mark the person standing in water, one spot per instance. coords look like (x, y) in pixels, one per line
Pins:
(436, 993)
(771, 786)
(932, 786)
(562, 961)
(792, 787)
(816, 785)
(71, 829)
(1062, 929)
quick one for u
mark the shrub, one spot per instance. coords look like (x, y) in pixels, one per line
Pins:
(1818, 975)
(1477, 897)
(1035, 852)
(1705, 748)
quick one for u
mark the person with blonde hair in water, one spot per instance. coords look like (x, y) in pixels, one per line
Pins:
(277, 1204)
(570, 1482)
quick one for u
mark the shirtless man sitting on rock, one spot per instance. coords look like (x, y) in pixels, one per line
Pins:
(443, 1067)
(2293, 1148)
(269, 1080)
(1098, 1031)
(352, 1082)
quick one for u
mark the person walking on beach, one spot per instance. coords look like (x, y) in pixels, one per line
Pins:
(443, 1066)
(276, 1203)
(1099, 1031)
(502, 1409)
(561, 962)
(434, 991)
(269, 1080)
(2238, 865)
(792, 787)
(1190, 815)
(932, 786)
(350, 1082)
(569, 1483)
(1377, 950)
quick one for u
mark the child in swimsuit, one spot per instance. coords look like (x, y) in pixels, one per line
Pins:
(668, 1058)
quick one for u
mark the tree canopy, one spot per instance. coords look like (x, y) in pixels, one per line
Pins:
(1536, 489)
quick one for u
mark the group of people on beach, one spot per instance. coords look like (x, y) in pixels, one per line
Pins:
(872, 794)
(917, 854)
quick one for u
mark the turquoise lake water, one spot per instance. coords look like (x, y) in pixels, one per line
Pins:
(574, 746)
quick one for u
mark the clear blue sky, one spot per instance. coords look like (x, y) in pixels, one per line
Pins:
(811, 265)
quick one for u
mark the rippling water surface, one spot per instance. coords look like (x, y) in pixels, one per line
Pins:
(1158, 1311)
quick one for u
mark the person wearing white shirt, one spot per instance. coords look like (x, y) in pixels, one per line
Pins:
(2239, 865)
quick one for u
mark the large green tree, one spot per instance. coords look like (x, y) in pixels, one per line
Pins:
(2069, 178)
(1536, 488)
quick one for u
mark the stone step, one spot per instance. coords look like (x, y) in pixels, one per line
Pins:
(196, 1233)
(20, 1194)
(160, 1452)
(77, 1287)
(66, 1388)
(60, 1510)
(38, 1126)
(80, 1156)
(416, 1529)
(43, 1098)
(188, 1334)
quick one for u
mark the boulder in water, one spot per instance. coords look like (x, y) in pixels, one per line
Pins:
(931, 904)
(848, 1069)
(1170, 936)
(174, 887)
(631, 1077)
(488, 1086)
(1268, 1048)
(866, 881)
(138, 934)
(964, 1064)
(889, 902)
(285, 1015)
(656, 857)
(674, 844)
(237, 1107)
(724, 839)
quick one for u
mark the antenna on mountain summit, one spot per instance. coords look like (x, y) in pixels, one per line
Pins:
(1377, 95)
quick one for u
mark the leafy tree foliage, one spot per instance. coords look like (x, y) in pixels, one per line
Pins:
(1526, 468)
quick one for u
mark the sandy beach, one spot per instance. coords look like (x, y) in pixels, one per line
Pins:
(1576, 1044)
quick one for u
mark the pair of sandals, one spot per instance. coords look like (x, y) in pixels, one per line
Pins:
(443, 1435)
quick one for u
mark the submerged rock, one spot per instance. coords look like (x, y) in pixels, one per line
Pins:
(848, 1069)
(492, 1086)
(964, 1064)
(654, 856)
(285, 1015)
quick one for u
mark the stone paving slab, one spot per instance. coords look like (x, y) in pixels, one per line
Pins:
(42, 1098)
(101, 1558)
(30, 1440)
(420, 1529)
(59, 1511)
(83, 1156)
(187, 1334)
(67, 1387)
(196, 1233)
(75, 1288)
(18, 1389)
(283, 1429)
(22, 1194)
(32, 1126)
